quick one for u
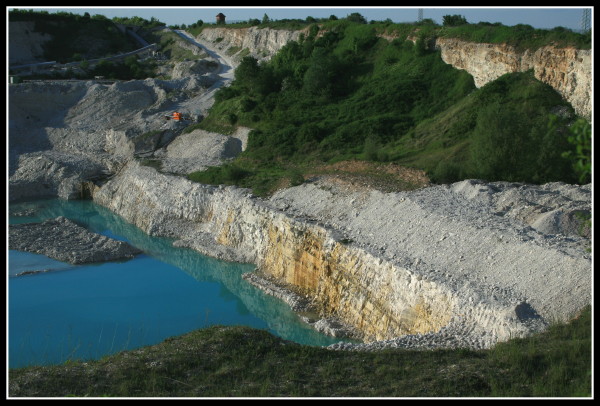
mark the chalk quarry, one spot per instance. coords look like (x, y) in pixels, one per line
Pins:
(461, 265)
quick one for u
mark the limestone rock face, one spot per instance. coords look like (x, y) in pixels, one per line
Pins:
(52, 173)
(385, 265)
(568, 70)
(262, 43)
(379, 299)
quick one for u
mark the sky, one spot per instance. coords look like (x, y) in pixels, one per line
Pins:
(537, 17)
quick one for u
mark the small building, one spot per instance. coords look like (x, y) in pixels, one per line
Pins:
(220, 18)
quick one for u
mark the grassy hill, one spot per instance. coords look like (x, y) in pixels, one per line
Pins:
(243, 362)
(346, 93)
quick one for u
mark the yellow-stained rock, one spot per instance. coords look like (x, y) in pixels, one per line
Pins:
(567, 70)
(351, 285)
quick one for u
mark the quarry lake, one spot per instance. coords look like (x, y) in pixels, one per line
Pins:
(86, 312)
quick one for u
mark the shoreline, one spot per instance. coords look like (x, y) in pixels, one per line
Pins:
(64, 240)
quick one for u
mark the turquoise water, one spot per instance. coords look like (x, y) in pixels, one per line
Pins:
(86, 312)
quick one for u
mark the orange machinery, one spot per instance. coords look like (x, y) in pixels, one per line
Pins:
(177, 116)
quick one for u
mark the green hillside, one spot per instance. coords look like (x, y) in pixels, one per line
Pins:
(239, 361)
(349, 94)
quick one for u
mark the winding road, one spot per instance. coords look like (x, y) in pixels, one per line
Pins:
(225, 72)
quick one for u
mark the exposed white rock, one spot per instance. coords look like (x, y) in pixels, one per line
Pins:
(261, 43)
(490, 277)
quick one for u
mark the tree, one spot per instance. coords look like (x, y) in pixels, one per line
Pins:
(420, 46)
(426, 21)
(266, 19)
(581, 139)
(319, 76)
(500, 146)
(356, 18)
(454, 20)
(247, 70)
(254, 77)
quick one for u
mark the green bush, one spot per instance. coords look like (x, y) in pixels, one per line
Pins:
(296, 177)
(581, 138)
(454, 20)
(446, 172)
(512, 139)
(229, 174)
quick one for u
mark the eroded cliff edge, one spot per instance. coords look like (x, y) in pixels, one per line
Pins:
(567, 70)
(461, 259)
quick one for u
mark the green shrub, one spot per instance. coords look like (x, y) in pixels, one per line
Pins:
(581, 138)
(296, 177)
(446, 172)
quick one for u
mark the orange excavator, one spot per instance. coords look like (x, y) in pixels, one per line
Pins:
(177, 116)
(180, 117)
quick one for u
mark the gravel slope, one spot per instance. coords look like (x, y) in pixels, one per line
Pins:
(517, 243)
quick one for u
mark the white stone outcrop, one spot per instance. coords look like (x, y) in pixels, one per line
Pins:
(567, 70)
(441, 259)
(261, 43)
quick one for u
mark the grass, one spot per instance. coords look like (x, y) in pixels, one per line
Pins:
(244, 362)
(264, 180)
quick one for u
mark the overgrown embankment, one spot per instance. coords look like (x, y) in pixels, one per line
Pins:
(241, 362)
(353, 91)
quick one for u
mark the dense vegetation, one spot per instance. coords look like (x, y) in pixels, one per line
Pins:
(347, 93)
(243, 362)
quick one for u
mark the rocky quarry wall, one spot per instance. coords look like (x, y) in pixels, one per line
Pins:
(567, 70)
(261, 43)
(437, 261)
(26, 45)
(464, 264)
